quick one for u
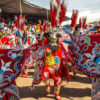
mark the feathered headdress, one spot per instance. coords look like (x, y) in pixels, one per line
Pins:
(20, 24)
(57, 12)
(82, 23)
(74, 18)
(12, 27)
(16, 22)
(44, 27)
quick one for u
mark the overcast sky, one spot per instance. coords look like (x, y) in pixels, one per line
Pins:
(89, 8)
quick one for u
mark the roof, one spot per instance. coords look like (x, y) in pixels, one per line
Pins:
(13, 7)
(94, 22)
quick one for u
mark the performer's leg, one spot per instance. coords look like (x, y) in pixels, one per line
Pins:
(57, 84)
(46, 81)
(72, 65)
(74, 70)
(25, 72)
(56, 91)
(95, 92)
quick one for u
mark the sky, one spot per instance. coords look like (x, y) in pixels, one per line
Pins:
(89, 8)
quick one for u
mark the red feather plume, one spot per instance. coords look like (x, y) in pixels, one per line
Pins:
(84, 23)
(80, 23)
(74, 18)
(44, 28)
(16, 22)
(57, 12)
(63, 12)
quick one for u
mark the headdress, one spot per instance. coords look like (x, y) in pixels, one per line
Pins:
(74, 18)
(57, 12)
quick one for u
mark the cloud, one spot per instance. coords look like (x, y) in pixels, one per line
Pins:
(89, 8)
(91, 16)
(80, 4)
(41, 3)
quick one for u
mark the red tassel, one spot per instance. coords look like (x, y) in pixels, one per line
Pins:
(12, 26)
(44, 28)
(57, 12)
(58, 2)
(51, 13)
(54, 17)
(23, 24)
(84, 23)
(80, 23)
(63, 12)
(74, 18)
(58, 8)
(49, 25)
(20, 22)
(16, 22)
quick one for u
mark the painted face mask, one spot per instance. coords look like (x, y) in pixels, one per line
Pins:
(53, 39)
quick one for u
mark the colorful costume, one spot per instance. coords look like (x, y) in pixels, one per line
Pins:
(86, 48)
(54, 61)
(51, 55)
(53, 64)
(11, 64)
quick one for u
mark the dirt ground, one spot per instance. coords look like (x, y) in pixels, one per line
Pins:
(78, 89)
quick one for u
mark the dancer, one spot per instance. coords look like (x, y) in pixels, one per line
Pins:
(54, 55)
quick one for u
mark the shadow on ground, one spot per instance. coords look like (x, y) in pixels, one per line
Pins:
(80, 79)
(39, 92)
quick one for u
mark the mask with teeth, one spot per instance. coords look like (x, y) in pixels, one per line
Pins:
(52, 39)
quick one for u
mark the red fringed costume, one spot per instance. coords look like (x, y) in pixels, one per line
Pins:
(60, 66)
(50, 54)
(11, 64)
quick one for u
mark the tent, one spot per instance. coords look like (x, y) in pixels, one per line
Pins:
(28, 9)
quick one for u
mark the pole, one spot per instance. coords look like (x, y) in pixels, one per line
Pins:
(20, 38)
(20, 7)
(47, 17)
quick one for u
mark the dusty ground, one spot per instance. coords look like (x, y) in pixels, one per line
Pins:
(78, 89)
